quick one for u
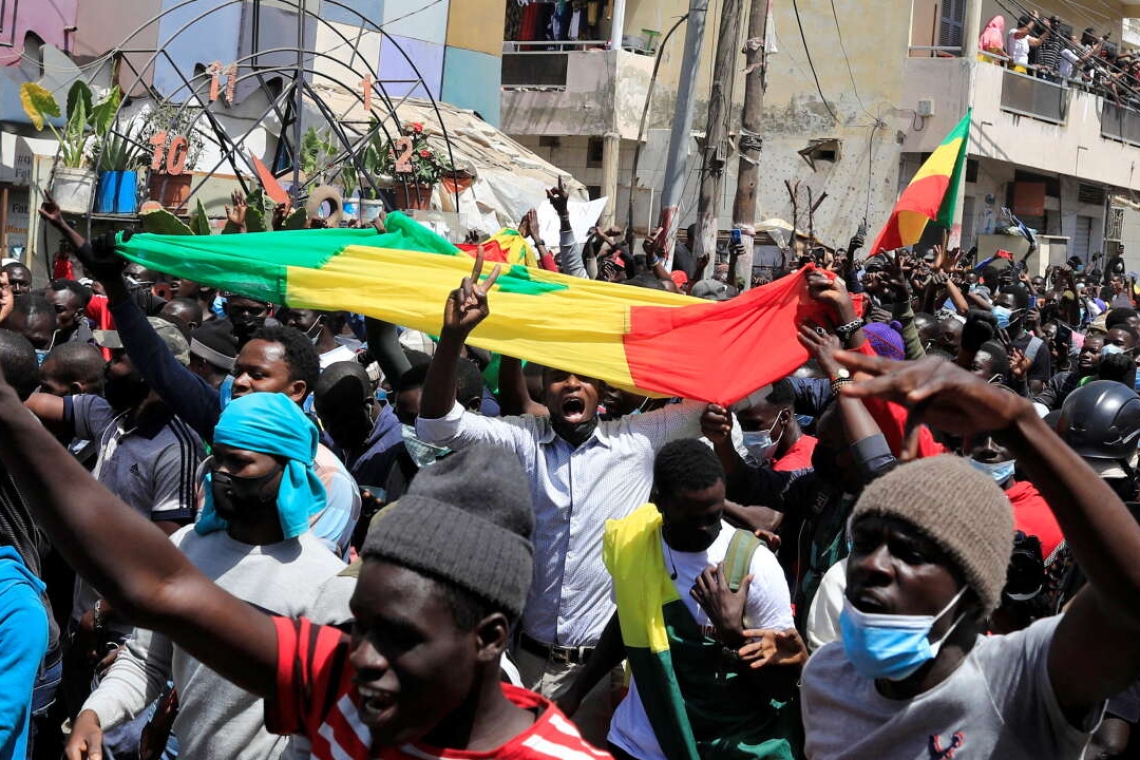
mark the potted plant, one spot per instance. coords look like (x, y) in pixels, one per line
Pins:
(349, 183)
(117, 157)
(172, 190)
(415, 166)
(73, 181)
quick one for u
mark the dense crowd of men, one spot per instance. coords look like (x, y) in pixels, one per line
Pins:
(233, 529)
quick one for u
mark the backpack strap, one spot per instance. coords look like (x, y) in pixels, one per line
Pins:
(738, 558)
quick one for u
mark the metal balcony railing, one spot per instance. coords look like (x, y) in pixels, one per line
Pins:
(1119, 123)
(1036, 98)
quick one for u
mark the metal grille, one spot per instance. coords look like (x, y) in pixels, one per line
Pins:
(1092, 194)
(1114, 224)
(535, 70)
(1035, 98)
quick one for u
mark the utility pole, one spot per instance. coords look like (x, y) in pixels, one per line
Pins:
(716, 133)
(745, 207)
(682, 131)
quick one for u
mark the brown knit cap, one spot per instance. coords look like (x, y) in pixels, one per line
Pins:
(960, 509)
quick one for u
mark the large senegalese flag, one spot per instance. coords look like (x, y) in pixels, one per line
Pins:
(649, 341)
(931, 195)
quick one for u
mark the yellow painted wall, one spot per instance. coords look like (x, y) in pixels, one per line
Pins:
(477, 25)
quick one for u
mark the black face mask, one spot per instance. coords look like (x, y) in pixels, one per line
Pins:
(574, 434)
(243, 499)
(693, 540)
(124, 392)
(245, 326)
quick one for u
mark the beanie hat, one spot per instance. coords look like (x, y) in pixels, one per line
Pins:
(886, 340)
(467, 521)
(956, 506)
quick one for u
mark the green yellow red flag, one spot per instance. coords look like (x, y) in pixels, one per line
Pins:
(931, 194)
(649, 341)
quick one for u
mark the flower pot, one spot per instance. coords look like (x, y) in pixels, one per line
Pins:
(351, 208)
(412, 196)
(72, 189)
(117, 192)
(370, 209)
(171, 190)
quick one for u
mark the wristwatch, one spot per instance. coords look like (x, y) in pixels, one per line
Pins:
(842, 377)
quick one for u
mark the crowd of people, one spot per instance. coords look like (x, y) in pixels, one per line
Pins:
(1050, 49)
(235, 529)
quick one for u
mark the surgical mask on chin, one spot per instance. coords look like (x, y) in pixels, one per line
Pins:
(41, 354)
(890, 646)
(314, 332)
(999, 471)
(1002, 315)
(421, 452)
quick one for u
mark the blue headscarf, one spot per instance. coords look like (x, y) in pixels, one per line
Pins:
(272, 423)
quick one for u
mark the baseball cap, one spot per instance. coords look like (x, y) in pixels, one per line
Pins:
(713, 290)
(170, 335)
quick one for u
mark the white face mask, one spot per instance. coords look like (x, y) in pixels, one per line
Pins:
(760, 443)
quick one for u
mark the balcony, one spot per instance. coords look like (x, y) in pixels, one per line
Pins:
(1029, 122)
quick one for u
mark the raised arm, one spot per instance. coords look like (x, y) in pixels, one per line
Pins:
(514, 397)
(384, 344)
(1103, 535)
(466, 308)
(153, 584)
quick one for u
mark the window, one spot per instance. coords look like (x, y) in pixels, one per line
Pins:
(594, 151)
(1091, 194)
(594, 191)
(952, 22)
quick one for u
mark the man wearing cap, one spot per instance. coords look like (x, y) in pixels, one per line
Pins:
(213, 350)
(253, 540)
(146, 456)
(914, 676)
(445, 575)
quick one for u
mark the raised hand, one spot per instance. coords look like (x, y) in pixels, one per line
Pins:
(936, 392)
(769, 648)
(51, 212)
(467, 305)
(558, 197)
(716, 424)
(822, 345)
(236, 213)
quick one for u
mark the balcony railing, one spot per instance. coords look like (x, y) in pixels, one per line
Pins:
(1036, 98)
(1119, 123)
(539, 69)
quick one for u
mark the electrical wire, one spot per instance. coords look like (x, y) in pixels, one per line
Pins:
(847, 60)
(815, 76)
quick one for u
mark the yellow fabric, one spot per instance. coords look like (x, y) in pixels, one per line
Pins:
(941, 161)
(632, 553)
(581, 325)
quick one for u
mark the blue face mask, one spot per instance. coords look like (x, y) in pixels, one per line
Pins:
(890, 646)
(760, 444)
(999, 471)
(1002, 315)
(226, 391)
(41, 354)
(1109, 349)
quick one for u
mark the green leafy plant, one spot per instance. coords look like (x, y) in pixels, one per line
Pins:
(162, 222)
(83, 117)
(317, 152)
(427, 166)
(117, 152)
(199, 222)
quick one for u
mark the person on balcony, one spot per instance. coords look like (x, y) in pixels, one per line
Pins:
(1019, 41)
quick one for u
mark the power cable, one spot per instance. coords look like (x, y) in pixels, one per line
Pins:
(847, 60)
(815, 76)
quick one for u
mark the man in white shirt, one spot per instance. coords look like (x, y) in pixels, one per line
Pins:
(688, 586)
(582, 471)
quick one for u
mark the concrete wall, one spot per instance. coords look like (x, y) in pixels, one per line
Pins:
(45, 18)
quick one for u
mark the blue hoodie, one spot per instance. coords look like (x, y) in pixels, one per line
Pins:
(23, 642)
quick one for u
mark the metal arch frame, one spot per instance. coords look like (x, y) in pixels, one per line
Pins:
(296, 91)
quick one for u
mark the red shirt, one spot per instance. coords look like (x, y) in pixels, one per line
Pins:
(798, 456)
(317, 699)
(1032, 516)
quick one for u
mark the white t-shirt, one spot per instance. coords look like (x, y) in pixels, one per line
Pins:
(768, 606)
(998, 703)
(1017, 48)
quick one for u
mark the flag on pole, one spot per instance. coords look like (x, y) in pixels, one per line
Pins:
(931, 195)
(639, 339)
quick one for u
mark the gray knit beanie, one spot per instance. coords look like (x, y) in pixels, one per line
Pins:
(957, 507)
(466, 520)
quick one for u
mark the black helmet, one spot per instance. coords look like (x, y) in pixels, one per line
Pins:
(1101, 420)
